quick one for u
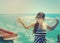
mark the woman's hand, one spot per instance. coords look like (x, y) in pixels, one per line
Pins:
(57, 18)
(19, 19)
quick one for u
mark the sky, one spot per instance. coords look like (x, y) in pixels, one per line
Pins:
(29, 6)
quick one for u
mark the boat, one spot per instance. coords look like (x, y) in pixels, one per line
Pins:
(7, 36)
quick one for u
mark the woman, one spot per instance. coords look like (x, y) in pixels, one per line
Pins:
(40, 27)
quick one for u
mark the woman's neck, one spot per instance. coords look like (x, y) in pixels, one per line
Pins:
(41, 23)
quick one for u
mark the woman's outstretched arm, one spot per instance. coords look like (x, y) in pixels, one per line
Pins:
(26, 27)
(53, 25)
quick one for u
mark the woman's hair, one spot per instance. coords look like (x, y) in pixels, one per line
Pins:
(35, 27)
(39, 15)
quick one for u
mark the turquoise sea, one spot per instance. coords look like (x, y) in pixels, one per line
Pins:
(9, 22)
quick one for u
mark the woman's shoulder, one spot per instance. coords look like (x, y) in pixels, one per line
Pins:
(45, 23)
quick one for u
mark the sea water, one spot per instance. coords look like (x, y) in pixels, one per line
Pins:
(9, 22)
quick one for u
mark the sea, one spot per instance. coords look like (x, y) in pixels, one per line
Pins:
(10, 23)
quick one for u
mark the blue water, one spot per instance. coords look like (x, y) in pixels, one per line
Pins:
(9, 22)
